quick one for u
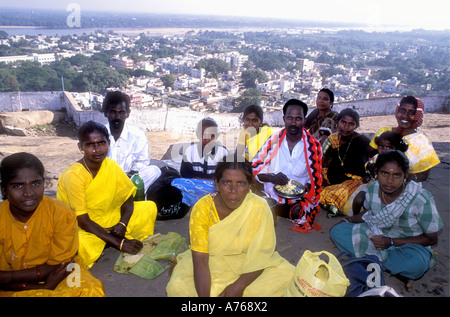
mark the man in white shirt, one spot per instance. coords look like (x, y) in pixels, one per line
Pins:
(129, 144)
(292, 154)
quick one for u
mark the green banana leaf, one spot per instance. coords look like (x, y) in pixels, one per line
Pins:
(154, 262)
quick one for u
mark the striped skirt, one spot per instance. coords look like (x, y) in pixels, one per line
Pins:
(337, 195)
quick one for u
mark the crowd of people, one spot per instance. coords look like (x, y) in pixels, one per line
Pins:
(47, 245)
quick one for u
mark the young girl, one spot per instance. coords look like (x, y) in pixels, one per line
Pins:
(399, 224)
(388, 140)
(38, 237)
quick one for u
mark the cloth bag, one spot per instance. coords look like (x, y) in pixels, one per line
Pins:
(363, 273)
(315, 277)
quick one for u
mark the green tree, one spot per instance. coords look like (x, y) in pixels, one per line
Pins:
(97, 77)
(78, 60)
(213, 67)
(251, 96)
(33, 77)
(168, 80)
(8, 81)
(250, 76)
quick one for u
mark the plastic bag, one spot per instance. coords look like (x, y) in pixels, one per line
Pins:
(315, 277)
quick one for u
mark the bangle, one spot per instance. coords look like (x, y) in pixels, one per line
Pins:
(347, 219)
(121, 244)
(121, 223)
(392, 242)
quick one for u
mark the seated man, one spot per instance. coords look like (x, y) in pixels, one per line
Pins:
(129, 143)
(292, 154)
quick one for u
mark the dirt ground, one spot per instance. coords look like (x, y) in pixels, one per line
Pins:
(57, 148)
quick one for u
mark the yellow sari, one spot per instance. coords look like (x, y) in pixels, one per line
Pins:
(48, 237)
(241, 243)
(252, 145)
(102, 198)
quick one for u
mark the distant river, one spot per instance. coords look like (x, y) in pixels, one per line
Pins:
(50, 32)
(11, 30)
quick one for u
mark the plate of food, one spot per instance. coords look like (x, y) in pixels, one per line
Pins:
(291, 190)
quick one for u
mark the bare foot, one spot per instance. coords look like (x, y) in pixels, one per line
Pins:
(409, 285)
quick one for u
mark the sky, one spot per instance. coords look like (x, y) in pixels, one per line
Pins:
(428, 14)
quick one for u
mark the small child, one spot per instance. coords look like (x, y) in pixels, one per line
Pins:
(388, 140)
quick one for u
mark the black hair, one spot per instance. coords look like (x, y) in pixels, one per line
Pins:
(295, 102)
(256, 110)
(349, 112)
(114, 98)
(409, 99)
(393, 156)
(330, 94)
(13, 163)
(207, 123)
(89, 127)
(232, 161)
(394, 138)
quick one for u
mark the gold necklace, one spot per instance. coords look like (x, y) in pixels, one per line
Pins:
(345, 154)
(87, 168)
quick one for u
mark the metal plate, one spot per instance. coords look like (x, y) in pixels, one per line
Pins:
(291, 190)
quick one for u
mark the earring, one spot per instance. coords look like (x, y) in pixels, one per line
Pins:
(82, 152)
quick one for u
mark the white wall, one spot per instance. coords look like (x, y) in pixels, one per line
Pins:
(185, 121)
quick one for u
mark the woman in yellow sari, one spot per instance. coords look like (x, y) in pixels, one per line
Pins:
(101, 195)
(254, 132)
(232, 242)
(38, 237)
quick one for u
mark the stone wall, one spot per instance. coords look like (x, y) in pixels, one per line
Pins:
(31, 101)
(386, 106)
(185, 121)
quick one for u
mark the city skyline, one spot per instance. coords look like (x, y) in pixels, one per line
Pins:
(371, 14)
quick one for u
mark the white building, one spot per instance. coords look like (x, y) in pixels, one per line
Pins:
(305, 64)
(44, 59)
(17, 58)
(390, 86)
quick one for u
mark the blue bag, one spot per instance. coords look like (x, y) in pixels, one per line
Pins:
(363, 273)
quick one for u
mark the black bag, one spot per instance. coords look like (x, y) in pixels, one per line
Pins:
(363, 273)
(168, 199)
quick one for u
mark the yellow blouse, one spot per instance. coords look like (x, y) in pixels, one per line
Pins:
(203, 215)
(50, 236)
(253, 144)
(100, 196)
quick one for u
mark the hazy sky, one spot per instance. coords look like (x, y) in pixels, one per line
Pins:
(428, 14)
